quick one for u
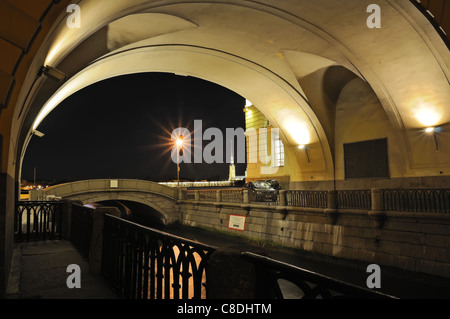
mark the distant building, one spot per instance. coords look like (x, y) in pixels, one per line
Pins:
(265, 149)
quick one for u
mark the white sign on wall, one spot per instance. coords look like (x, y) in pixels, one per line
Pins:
(237, 222)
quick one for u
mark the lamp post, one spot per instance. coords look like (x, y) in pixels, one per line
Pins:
(179, 143)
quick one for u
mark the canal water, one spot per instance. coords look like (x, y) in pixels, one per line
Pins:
(394, 282)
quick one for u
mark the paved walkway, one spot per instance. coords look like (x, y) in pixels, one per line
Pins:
(39, 271)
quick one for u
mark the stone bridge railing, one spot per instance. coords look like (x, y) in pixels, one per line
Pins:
(109, 185)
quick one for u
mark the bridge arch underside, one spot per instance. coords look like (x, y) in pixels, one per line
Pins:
(137, 212)
(165, 211)
(321, 84)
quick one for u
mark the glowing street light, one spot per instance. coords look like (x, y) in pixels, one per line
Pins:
(179, 143)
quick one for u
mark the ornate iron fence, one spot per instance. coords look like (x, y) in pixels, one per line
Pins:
(143, 263)
(311, 285)
(416, 200)
(354, 199)
(307, 198)
(81, 228)
(38, 220)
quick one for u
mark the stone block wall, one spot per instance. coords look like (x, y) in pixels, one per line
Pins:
(417, 242)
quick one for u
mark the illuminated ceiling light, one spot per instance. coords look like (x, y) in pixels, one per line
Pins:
(248, 103)
(302, 146)
(428, 114)
(430, 129)
(299, 132)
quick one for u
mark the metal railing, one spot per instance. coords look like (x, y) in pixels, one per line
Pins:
(81, 228)
(265, 197)
(311, 285)
(38, 220)
(402, 200)
(232, 196)
(307, 198)
(416, 200)
(143, 263)
(354, 199)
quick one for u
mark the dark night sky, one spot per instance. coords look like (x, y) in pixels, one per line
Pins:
(116, 128)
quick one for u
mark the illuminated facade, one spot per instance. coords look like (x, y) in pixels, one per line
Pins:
(266, 156)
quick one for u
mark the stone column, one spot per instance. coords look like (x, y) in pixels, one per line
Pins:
(219, 196)
(331, 210)
(283, 200)
(181, 194)
(377, 214)
(95, 254)
(230, 276)
(245, 196)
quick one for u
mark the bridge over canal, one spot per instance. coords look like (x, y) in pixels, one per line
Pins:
(161, 198)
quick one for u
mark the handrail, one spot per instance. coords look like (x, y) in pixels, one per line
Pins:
(311, 284)
(416, 200)
(144, 263)
(37, 220)
(81, 228)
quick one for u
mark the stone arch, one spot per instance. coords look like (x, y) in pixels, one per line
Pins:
(161, 198)
(167, 215)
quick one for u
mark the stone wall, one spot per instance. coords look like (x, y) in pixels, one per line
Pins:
(416, 242)
(7, 210)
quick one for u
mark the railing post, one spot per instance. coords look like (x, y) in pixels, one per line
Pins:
(68, 218)
(283, 199)
(377, 213)
(231, 276)
(197, 195)
(245, 196)
(181, 194)
(377, 203)
(95, 254)
(219, 195)
(331, 210)
(332, 199)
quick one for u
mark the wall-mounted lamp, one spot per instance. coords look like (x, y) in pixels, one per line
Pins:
(53, 73)
(433, 130)
(37, 133)
(304, 147)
